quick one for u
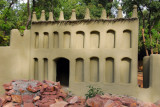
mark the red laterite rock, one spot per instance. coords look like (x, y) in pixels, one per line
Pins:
(10, 104)
(2, 101)
(27, 98)
(36, 98)
(28, 105)
(16, 98)
(33, 89)
(8, 86)
(10, 92)
(8, 98)
(59, 104)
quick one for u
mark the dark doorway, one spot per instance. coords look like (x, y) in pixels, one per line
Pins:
(62, 68)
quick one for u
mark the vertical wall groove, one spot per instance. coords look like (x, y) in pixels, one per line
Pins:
(80, 40)
(94, 69)
(110, 39)
(125, 72)
(67, 40)
(109, 70)
(45, 68)
(36, 40)
(35, 68)
(79, 70)
(55, 40)
(94, 39)
(46, 40)
(126, 39)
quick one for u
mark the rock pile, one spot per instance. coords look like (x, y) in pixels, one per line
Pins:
(25, 93)
(32, 93)
(116, 101)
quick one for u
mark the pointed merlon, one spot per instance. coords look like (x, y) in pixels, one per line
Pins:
(134, 14)
(73, 16)
(103, 15)
(50, 16)
(34, 17)
(87, 15)
(120, 12)
(61, 17)
(43, 16)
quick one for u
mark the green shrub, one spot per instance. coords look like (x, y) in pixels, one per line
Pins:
(92, 92)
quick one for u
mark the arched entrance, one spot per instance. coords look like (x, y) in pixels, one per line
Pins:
(62, 70)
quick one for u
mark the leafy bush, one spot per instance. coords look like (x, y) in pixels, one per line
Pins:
(92, 92)
(4, 40)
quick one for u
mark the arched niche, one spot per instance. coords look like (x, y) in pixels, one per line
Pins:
(110, 39)
(55, 39)
(79, 74)
(36, 40)
(94, 69)
(80, 39)
(67, 40)
(45, 71)
(126, 39)
(125, 71)
(46, 40)
(35, 68)
(109, 70)
(94, 39)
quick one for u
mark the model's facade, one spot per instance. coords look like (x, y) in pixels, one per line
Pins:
(77, 53)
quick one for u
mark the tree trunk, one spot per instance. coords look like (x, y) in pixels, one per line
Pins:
(150, 28)
(147, 54)
(144, 42)
(34, 5)
(29, 14)
(150, 36)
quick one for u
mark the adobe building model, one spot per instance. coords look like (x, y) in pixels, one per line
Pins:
(78, 53)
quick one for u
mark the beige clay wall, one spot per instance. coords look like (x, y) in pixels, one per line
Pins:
(14, 59)
(101, 52)
(151, 75)
(117, 63)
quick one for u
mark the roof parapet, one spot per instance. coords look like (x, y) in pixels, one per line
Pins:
(34, 17)
(50, 16)
(134, 14)
(119, 12)
(103, 15)
(87, 14)
(73, 16)
(43, 18)
(61, 16)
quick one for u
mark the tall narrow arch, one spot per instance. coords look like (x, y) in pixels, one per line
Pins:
(55, 39)
(80, 39)
(94, 69)
(36, 40)
(46, 40)
(126, 39)
(125, 71)
(67, 39)
(45, 71)
(109, 70)
(36, 68)
(94, 39)
(110, 39)
(79, 70)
